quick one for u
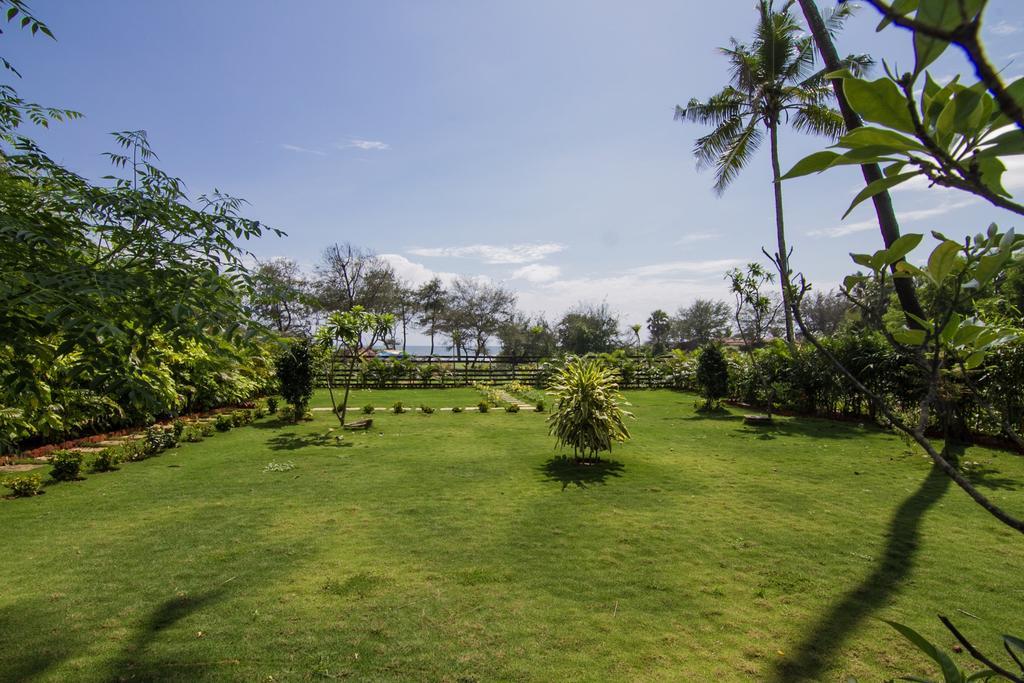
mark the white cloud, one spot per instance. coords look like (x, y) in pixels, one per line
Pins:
(694, 237)
(415, 273)
(695, 267)
(630, 295)
(903, 216)
(367, 145)
(303, 150)
(1004, 28)
(536, 272)
(493, 253)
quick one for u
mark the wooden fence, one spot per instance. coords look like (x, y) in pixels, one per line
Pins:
(424, 372)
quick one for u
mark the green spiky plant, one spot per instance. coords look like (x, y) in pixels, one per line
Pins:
(587, 414)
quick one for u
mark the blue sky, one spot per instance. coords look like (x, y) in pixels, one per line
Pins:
(532, 143)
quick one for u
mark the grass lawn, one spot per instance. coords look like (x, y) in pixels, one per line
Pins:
(412, 398)
(452, 547)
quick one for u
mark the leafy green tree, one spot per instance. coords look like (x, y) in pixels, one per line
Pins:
(702, 322)
(712, 376)
(588, 329)
(280, 296)
(431, 300)
(587, 415)
(773, 80)
(522, 336)
(954, 136)
(295, 375)
(343, 334)
(659, 326)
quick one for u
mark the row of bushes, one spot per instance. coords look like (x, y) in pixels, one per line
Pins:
(66, 465)
(193, 380)
(806, 382)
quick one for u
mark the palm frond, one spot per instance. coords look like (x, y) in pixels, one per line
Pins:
(836, 17)
(737, 154)
(710, 147)
(819, 120)
(716, 109)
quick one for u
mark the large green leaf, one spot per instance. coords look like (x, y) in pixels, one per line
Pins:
(815, 163)
(869, 136)
(1006, 144)
(942, 14)
(877, 186)
(942, 260)
(879, 101)
(950, 672)
(903, 246)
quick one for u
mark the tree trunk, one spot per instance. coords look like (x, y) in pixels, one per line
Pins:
(887, 223)
(780, 230)
(431, 341)
(348, 386)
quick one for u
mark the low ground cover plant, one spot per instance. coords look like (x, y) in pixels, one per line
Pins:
(398, 407)
(224, 423)
(368, 409)
(426, 409)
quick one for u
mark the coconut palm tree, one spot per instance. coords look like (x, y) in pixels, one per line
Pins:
(773, 80)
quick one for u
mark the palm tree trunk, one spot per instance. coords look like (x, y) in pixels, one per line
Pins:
(887, 223)
(780, 229)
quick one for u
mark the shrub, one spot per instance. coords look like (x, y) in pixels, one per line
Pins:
(25, 486)
(178, 425)
(272, 404)
(193, 434)
(368, 409)
(512, 408)
(295, 373)
(398, 407)
(134, 450)
(237, 418)
(426, 409)
(158, 439)
(258, 412)
(287, 414)
(65, 465)
(587, 415)
(539, 407)
(206, 428)
(457, 409)
(483, 406)
(105, 460)
(224, 422)
(712, 376)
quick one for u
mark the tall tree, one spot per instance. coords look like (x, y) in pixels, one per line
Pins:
(772, 80)
(350, 276)
(888, 225)
(701, 323)
(588, 328)
(431, 301)
(482, 309)
(659, 326)
(279, 296)
(824, 312)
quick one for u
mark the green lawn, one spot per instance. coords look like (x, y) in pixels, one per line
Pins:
(412, 398)
(452, 547)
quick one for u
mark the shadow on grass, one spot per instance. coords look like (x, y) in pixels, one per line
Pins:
(294, 442)
(134, 662)
(826, 637)
(986, 477)
(724, 416)
(570, 472)
(813, 428)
